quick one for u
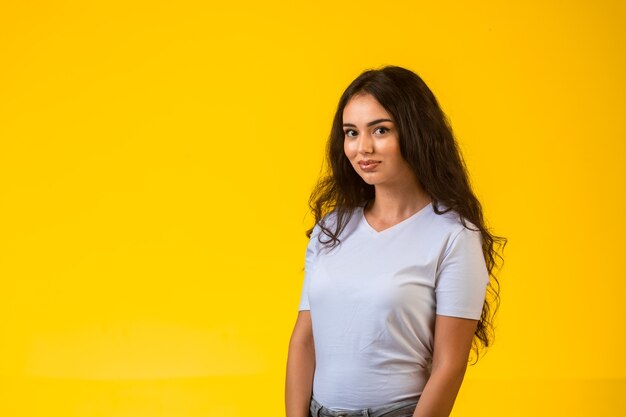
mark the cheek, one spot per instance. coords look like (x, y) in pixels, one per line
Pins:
(347, 149)
(392, 148)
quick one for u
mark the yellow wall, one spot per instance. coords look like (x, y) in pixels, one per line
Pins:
(156, 159)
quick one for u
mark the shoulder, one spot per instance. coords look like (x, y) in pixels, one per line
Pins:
(327, 221)
(348, 219)
(449, 218)
(330, 219)
(450, 228)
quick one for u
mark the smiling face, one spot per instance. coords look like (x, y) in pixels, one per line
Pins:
(371, 142)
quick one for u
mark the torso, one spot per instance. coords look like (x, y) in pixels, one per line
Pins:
(373, 304)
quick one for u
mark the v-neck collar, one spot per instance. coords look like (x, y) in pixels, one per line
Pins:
(396, 226)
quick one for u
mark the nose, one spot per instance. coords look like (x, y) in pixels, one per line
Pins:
(365, 144)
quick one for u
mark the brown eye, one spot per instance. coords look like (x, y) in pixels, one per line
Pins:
(347, 132)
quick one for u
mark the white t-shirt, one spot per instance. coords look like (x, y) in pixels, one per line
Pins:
(373, 301)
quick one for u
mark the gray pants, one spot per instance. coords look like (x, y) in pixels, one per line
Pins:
(398, 409)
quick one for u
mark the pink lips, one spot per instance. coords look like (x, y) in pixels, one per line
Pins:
(368, 165)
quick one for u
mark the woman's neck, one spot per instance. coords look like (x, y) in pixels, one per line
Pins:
(391, 204)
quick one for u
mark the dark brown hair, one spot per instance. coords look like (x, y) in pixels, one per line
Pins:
(428, 144)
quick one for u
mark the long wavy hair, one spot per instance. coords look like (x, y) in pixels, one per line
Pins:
(428, 144)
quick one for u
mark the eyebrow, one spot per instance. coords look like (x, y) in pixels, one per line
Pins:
(370, 123)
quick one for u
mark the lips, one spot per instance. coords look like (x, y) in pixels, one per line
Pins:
(369, 164)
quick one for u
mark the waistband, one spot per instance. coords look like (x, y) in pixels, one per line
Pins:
(396, 409)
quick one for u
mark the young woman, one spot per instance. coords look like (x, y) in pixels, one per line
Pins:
(398, 264)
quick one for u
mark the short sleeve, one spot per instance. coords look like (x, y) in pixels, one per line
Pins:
(310, 255)
(462, 278)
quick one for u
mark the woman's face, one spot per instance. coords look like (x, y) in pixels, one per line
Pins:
(370, 134)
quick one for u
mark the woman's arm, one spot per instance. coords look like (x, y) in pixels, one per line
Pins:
(453, 341)
(300, 367)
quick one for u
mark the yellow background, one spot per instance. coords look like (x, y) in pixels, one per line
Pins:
(156, 159)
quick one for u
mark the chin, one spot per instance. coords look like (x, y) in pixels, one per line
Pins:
(370, 181)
